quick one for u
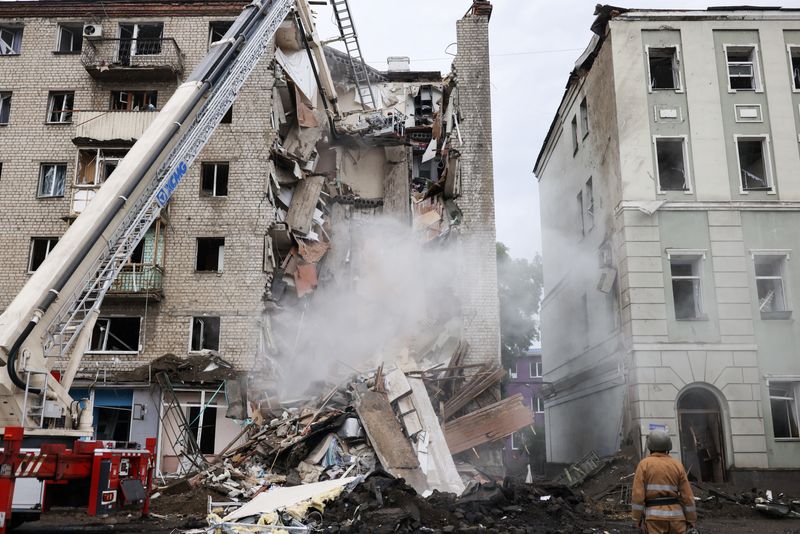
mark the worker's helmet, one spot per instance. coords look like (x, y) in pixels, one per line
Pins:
(659, 441)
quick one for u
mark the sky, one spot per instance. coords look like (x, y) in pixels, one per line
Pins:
(533, 46)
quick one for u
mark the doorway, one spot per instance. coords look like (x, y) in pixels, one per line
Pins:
(701, 435)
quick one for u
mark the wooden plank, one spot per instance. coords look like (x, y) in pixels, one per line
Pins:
(479, 383)
(304, 202)
(490, 423)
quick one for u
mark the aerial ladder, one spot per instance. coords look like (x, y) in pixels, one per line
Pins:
(50, 321)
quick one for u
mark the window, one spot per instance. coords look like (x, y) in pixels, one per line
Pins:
(5, 107)
(95, 165)
(40, 249)
(204, 426)
(70, 38)
(116, 334)
(512, 371)
(205, 334)
(584, 112)
(217, 30)
(769, 283)
(10, 40)
(59, 107)
(663, 63)
(215, 179)
(670, 157)
(51, 179)
(228, 117)
(784, 409)
(589, 196)
(139, 40)
(537, 404)
(210, 254)
(574, 135)
(741, 68)
(794, 58)
(686, 287)
(517, 441)
(134, 100)
(753, 165)
(536, 369)
(581, 226)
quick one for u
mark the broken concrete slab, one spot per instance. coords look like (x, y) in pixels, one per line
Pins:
(303, 204)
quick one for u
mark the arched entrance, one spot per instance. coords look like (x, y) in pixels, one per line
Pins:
(701, 435)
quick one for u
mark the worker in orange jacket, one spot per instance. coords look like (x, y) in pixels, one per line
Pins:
(661, 497)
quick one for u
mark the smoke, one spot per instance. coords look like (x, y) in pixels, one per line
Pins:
(382, 290)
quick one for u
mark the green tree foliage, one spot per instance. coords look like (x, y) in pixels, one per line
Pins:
(519, 288)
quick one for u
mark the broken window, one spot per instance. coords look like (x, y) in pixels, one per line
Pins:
(205, 334)
(741, 68)
(589, 203)
(215, 179)
(134, 100)
(581, 225)
(210, 254)
(536, 369)
(59, 107)
(574, 135)
(203, 422)
(5, 107)
(51, 179)
(70, 38)
(139, 40)
(217, 30)
(663, 64)
(784, 409)
(769, 283)
(95, 165)
(40, 249)
(584, 113)
(423, 102)
(671, 164)
(753, 166)
(794, 56)
(116, 334)
(686, 287)
(10, 40)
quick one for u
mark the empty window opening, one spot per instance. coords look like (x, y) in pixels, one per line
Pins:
(60, 106)
(70, 38)
(116, 334)
(215, 179)
(204, 427)
(10, 40)
(671, 164)
(95, 165)
(769, 283)
(134, 100)
(205, 334)
(589, 196)
(686, 287)
(584, 113)
(423, 102)
(113, 422)
(741, 68)
(139, 40)
(536, 370)
(51, 179)
(228, 117)
(663, 64)
(574, 135)
(40, 249)
(210, 254)
(5, 107)
(752, 165)
(581, 224)
(782, 397)
(217, 30)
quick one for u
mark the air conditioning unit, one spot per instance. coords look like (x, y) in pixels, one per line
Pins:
(92, 30)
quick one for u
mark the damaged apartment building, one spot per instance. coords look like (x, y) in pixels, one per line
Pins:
(670, 204)
(316, 141)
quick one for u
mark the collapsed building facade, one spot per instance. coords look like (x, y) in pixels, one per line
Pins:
(669, 207)
(316, 146)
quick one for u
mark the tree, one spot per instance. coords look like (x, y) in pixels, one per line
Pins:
(519, 286)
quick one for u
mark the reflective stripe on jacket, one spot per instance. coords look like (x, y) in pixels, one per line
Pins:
(659, 476)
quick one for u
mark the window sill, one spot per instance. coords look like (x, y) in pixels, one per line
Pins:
(787, 440)
(208, 272)
(66, 53)
(106, 352)
(776, 315)
(690, 319)
(213, 197)
(11, 55)
(48, 123)
(49, 198)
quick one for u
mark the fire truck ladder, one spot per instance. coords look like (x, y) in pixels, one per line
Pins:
(358, 67)
(77, 307)
(184, 442)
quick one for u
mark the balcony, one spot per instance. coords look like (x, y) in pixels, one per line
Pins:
(129, 60)
(111, 127)
(137, 280)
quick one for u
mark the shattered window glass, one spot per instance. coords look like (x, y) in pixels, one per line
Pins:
(741, 68)
(217, 30)
(60, 107)
(686, 288)
(784, 409)
(40, 249)
(70, 38)
(663, 68)
(671, 165)
(51, 179)
(205, 334)
(5, 107)
(752, 165)
(795, 54)
(769, 283)
(115, 334)
(10, 40)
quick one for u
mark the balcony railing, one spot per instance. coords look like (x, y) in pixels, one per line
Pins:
(138, 280)
(132, 59)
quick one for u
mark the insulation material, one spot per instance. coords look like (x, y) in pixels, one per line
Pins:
(305, 278)
(305, 115)
(299, 68)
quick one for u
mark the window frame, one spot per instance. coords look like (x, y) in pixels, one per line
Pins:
(588, 203)
(41, 177)
(758, 86)
(72, 27)
(51, 96)
(216, 164)
(50, 247)
(537, 404)
(513, 372)
(783, 256)
(134, 38)
(6, 96)
(535, 369)
(109, 318)
(211, 25)
(191, 333)
(575, 134)
(514, 446)
(583, 112)
(582, 227)
(220, 257)
(789, 47)
(676, 69)
(696, 257)
(795, 386)
(684, 140)
(766, 156)
(16, 44)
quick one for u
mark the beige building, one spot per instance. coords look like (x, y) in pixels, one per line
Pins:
(205, 279)
(669, 212)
